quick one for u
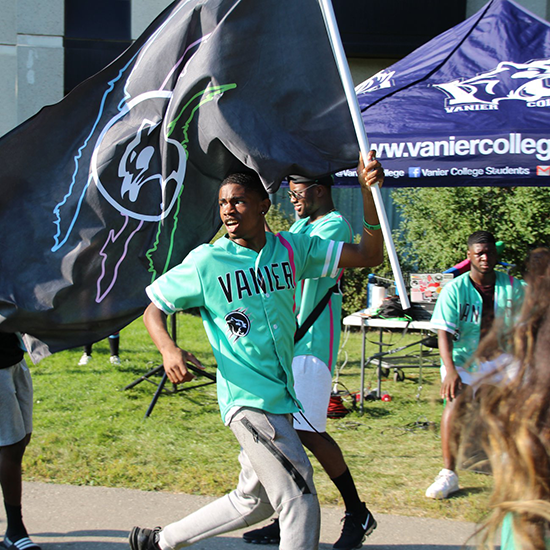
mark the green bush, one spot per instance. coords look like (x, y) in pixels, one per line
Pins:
(436, 223)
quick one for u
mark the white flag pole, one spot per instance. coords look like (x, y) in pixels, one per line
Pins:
(355, 111)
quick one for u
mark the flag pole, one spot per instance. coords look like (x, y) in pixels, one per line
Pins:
(355, 111)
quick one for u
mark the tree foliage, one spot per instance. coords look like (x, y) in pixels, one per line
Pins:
(436, 223)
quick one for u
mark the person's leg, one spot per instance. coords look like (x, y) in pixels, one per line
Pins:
(358, 520)
(312, 383)
(446, 481)
(16, 397)
(330, 456)
(282, 466)
(11, 458)
(244, 506)
(86, 355)
(276, 473)
(449, 442)
(114, 342)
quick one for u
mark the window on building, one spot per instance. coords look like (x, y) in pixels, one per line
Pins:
(96, 33)
(393, 29)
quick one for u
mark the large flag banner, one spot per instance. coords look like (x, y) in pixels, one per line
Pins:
(106, 190)
(470, 107)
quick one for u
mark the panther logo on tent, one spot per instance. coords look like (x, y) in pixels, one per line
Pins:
(380, 80)
(527, 82)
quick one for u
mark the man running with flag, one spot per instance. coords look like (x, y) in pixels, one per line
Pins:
(244, 285)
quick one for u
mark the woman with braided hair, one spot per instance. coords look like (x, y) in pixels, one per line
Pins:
(515, 418)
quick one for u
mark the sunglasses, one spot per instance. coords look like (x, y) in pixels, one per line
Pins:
(298, 195)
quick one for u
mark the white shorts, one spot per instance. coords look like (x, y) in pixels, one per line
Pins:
(501, 369)
(15, 403)
(312, 383)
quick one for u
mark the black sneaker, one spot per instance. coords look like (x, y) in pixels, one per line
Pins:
(270, 534)
(144, 539)
(357, 526)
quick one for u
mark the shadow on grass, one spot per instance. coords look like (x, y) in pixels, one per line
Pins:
(375, 412)
(467, 491)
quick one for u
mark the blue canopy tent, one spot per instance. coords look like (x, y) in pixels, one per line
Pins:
(470, 107)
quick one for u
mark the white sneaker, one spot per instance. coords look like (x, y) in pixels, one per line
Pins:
(85, 359)
(114, 360)
(445, 483)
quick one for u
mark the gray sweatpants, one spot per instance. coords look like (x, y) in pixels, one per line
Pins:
(276, 475)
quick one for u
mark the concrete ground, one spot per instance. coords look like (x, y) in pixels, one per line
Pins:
(63, 517)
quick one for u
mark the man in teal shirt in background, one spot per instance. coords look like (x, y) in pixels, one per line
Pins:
(463, 314)
(315, 355)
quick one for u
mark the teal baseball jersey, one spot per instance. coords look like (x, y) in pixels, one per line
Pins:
(247, 304)
(323, 338)
(458, 311)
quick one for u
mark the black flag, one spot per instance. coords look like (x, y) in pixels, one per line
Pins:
(106, 190)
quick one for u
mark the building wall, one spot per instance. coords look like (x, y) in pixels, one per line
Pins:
(32, 56)
(144, 12)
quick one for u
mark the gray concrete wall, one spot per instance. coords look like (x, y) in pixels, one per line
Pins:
(8, 65)
(31, 58)
(39, 73)
(144, 12)
(538, 7)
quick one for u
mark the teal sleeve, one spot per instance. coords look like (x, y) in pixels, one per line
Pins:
(446, 311)
(334, 229)
(316, 257)
(507, 535)
(178, 289)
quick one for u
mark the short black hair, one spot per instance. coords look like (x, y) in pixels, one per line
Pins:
(481, 237)
(249, 180)
(327, 181)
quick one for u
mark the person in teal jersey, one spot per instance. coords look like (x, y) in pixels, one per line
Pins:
(314, 359)
(463, 314)
(244, 285)
(514, 418)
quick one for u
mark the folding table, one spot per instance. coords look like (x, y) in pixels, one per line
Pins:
(389, 358)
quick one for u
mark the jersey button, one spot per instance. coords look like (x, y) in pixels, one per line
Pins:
(267, 295)
(275, 327)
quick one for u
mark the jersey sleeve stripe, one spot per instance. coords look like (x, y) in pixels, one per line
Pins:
(288, 246)
(328, 257)
(155, 295)
(439, 324)
(337, 252)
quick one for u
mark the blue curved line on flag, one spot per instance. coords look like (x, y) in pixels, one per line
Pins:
(56, 210)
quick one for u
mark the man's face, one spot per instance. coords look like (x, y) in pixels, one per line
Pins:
(483, 257)
(303, 198)
(241, 211)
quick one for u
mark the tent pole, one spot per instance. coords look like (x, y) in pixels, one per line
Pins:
(355, 111)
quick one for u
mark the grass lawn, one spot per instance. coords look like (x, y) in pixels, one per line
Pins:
(90, 431)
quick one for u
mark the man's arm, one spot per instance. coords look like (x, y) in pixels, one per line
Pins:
(174, 359)
(370, 250)
(452, 384)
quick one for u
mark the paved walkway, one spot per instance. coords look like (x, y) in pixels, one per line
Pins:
(63, 517)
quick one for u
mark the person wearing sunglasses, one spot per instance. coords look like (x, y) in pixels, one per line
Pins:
(319, 304)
